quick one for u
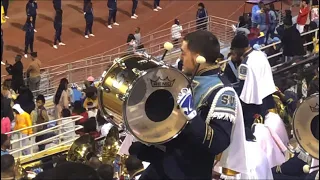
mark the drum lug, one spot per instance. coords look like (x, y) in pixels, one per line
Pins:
(137, 72)
(120, 63)
(105, 89)
(122, 97)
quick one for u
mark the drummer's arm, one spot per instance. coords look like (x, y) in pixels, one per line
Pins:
(215, 136)
(145, 153)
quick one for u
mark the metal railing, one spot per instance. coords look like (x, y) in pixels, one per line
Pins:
(78, 71)
(61, 137)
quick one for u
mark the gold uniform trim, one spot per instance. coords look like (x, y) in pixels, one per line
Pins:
(208, 135)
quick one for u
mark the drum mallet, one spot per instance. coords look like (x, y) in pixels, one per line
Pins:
(306, 168)
(167, 46)
(200, 60)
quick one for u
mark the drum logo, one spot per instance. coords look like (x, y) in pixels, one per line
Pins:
(315, 108)
(162, 82)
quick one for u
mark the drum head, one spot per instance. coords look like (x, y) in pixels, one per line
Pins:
(150, 111)
(306, 125)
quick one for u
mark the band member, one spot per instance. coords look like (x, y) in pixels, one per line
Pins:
(156, 5)
(29, 37)
(88, 15)
(202, 17)
(31, 10)
(215, 121)
(134, 167)
(134, 8)
(256, 87)
(57, 5)
(112, 5)
(85, 3)
(58, 27)
(5, 4)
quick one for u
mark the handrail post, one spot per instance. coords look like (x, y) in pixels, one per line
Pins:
(59, 137)
(20, 142)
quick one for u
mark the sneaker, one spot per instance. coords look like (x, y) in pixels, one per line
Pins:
(92, 35)
(61, 44)
(55, 46)
(159, 7)
(133, 17)
(25, 55)
(7, 17)
(35, 30)
(116, 24)
(110, 27)
(86, 36)
(155, 9)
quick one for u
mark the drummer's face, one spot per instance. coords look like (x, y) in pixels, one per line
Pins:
(188, 58)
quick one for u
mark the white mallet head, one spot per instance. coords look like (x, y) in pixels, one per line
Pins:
(306, 168)
(200, 59)
(2, 63)
(168, 46)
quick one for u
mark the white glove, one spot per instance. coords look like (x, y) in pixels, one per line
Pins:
(185, 102)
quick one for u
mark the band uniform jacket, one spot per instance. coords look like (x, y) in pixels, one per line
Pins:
(192, 153)
(29, 29)
(112, 4)
(31, 9)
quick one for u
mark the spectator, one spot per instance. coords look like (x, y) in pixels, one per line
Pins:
(132, 43)
(90, 127)
(5, 4)
(176, 30)
(42, 117)
(263, 23)
(291, 41)
(7, 167)
(303, 15)
(16, 71)
(31, 10)
(88, 15)
(6, 109)
(91, 96)
(5, 144)
(33, 73)
(156, 5)
(70, 171)
(76, 94)
(134, 167)
(312, 48)
(29, 36)
(201, 17)
(5, 120)
(78, 109)
(256, 11)
(25, 99)
(106, 172)
(137, 36)
(23, 120)
(7, 91)
(103, 126)
(90, 81)
(67, 126)
(61, 100)
(92, 109)
(58, 28)
(272, 22)
(315, 11)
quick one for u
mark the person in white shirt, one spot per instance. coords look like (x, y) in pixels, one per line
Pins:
(132, 43)
(176, 30)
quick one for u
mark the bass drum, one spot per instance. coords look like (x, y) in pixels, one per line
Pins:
(141, 94)
(306, 125)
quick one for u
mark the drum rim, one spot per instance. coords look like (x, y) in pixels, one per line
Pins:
(293, 127)
(103, 112)
(127, 127)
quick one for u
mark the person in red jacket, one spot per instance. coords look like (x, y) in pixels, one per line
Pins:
(303, 15)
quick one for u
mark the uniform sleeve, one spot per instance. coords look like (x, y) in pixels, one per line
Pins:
(145, 153)
(215, 136)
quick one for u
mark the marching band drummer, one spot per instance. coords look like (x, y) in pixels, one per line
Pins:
(215, 121)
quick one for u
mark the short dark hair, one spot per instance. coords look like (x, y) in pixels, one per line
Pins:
(7, 161)
(106, 172)
(66, 113)
(239, 41)
(201, 5)
(307, 1)
(40, 97)
(133, 163)
(4, 138)
(204, 43)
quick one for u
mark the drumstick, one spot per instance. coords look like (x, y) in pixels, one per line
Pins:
(167, 46)
(200, 60)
